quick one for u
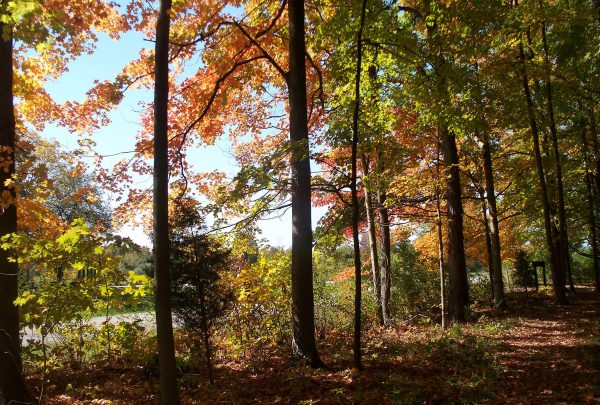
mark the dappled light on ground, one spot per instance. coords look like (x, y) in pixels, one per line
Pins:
(535, 352)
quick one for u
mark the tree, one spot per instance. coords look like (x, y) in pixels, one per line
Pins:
(59, 180)
(563, 237)
(592, 237)
(164, 322)
(495, 258)
(458, 297)
(550, 228)
(303, 317)
(11, 385)
(353, 187)
(199, 298)
(34, 26)
(523, 275)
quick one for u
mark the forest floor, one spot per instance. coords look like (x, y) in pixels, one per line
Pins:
(534, 352)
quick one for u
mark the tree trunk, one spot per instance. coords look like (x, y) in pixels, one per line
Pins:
(384, 226)
(303, 311)
(386, 245)
(557, 278)
(12, 388)
(562, 217)
(596, 149)
(372, 242)
(206, 333)
(488, 240)
(593, 239)
(441, 265)
(162, 284)
(355, 217)
(492, 217)
(458, 299)
(440, 239)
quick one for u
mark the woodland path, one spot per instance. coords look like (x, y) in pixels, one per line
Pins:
(552, 353)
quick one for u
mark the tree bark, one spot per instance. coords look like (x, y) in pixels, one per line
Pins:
(557, 278)
(355, 214)
(440, 237)
(162, 284)
(458, 298)
(12, 388)
(303, 311)
(386, 244)
(372, 242)
(492, 217)
(488, 240)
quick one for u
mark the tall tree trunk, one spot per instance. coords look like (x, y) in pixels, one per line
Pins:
(355, 215)
(593, 239)
(162, 283)
(303, 308)
(492, 217)
(12, 388)
(562, 217)
(372, 241)
(458, 298)
(440, 237)
(557, 278)
(386, 243)
(441, 265)
(596, 149)
(383, 222)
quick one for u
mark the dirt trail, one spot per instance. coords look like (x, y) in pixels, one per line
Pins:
(552, 354)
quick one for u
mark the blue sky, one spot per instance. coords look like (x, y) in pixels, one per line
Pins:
(119, 136)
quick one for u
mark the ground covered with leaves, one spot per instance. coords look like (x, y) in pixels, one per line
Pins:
(535, 352)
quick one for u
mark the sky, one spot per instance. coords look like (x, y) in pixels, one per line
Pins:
(119, 136)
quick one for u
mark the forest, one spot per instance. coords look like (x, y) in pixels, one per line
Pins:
(434, 164)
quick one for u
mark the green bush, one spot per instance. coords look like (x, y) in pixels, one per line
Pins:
(415, 285)
(522, 273)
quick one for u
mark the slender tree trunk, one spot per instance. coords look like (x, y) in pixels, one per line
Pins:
(206, 333)
(593, 239)
(440, 236)
(557, 278)
(596, 149)
(303, 308)
(441, 265)
(386, 244)
(355, 214)
(162, 284)
(12, 388)
(372, 242)
(488, 240)
(562, 216)
(492, 217)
